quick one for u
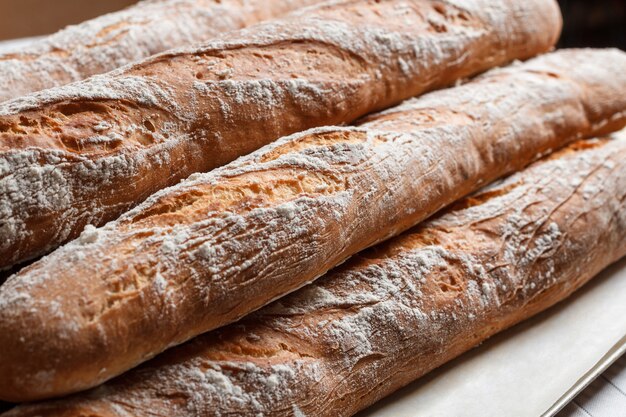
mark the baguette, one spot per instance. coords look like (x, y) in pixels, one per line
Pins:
(396, 311)
(85, 153)
(212, 249)
(116, 39)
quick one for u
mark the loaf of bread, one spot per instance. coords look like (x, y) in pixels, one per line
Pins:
(83, 154)
(398, 310)
(111, 41)
(219, 245)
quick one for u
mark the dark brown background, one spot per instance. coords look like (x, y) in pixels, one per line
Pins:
(594, 23)
(22, 18)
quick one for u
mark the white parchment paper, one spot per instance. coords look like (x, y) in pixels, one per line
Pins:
(527, 369)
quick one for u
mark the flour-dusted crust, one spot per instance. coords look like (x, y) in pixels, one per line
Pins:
(116, 39)
(219, 245)
(398, 310)
(83, 154)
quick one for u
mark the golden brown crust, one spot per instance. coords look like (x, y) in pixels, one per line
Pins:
(398, 310)
(219, 245)
(116, 39)
(85, 153)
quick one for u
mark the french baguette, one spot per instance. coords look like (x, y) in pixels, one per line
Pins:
(116, 39)
(85, 153)
(398, 310)
(219, 245)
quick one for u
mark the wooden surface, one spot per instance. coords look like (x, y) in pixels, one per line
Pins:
(23, 18)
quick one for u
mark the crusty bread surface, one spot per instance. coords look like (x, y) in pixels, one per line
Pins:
(395, 311)
(219, 245)
(116, 39)
(85, 153)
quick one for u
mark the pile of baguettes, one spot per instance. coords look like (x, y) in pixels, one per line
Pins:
(149, 267)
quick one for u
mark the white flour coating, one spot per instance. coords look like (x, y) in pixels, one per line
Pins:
(34, 181)
(145, 91)
(435, 100)
(239, 230)
(581, 67)
(399, 53)
(89, 235)
(116, 39)
(396, 308)
(377, 300)
(490, 100)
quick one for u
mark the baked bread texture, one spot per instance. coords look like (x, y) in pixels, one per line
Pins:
(85, 153)
(398, 310)
(219, 245)
(116, 39)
